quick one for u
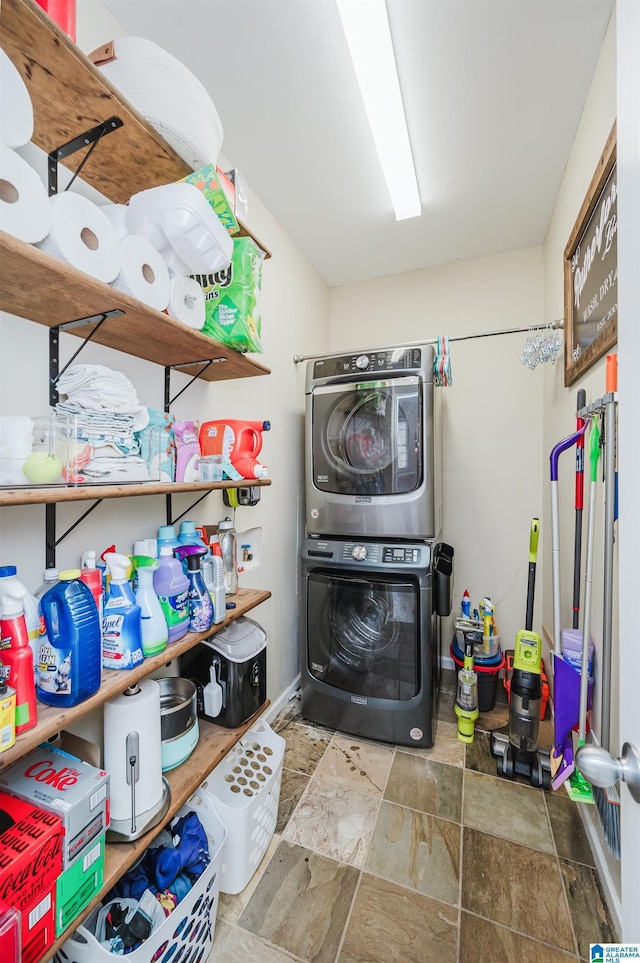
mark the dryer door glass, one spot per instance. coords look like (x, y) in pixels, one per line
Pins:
(362, 634)
(367, 438)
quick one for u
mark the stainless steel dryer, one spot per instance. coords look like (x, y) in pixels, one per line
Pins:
(372, 445)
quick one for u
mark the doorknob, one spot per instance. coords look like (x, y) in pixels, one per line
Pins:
(601, 769)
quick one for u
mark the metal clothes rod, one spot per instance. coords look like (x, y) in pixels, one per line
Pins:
(552, 326)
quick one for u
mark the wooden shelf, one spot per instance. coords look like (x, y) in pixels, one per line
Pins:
(213, 745)
(70, 96)
(43, 289)
(52, 720)
(83, 493)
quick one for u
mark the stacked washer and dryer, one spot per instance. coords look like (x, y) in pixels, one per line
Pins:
(375, 575)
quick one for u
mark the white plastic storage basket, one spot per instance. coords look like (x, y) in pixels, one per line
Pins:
(187, 934)
(245, 789)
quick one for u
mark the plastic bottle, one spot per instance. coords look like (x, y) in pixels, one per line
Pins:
(121, 622)
(15, 653)
(153, 624)
(227, 539)
(92, 577)
(7, 715)
(200, 604)
(49, 578)
(167, 536)
(465, 606)
(213, 575)
(69, 662)
(172, 588)
(251, 468)
(189, 535)
(31, 617)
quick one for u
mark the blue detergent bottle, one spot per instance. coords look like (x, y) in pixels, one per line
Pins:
(69, 660)
(121, 618)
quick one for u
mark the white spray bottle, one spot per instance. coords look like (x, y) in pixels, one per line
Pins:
(213, 574)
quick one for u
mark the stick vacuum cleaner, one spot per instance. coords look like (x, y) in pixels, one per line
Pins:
(518, 753)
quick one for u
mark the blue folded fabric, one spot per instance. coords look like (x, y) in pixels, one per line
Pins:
(189, 855)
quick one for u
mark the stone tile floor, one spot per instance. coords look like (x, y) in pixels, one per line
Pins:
(388, 854)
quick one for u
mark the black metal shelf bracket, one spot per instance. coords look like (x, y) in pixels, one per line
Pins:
(204, 364)
(54, 346)
(172, 521)
(52, 540)
(89, 139)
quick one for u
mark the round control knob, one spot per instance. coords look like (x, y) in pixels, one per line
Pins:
(359, 552)
(362, 362)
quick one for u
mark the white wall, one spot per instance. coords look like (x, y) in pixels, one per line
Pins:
(295, 308)
(559, 414)
(492, 426)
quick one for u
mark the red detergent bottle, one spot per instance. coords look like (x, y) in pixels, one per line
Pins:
(239, 443)
(16, 658)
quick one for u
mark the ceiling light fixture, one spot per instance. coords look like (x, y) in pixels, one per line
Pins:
(366, 27)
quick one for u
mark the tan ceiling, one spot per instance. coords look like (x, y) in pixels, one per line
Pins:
(493, 92)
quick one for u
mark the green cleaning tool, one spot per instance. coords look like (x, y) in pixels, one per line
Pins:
(466, 707)
(578, 787)
(519, 753)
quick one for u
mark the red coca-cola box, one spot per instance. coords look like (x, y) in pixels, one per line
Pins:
(30, 863)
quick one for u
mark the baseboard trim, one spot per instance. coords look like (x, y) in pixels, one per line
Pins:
(605, 863)
(278, 704)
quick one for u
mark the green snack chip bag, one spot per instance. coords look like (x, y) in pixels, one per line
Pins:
(207, 181)
(232, 298)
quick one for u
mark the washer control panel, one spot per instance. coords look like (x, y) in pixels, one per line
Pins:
(400, 555)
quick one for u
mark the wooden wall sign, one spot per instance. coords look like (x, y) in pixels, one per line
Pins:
(591, 271)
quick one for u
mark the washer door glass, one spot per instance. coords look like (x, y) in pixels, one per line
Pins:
(366, 438)
(362, 634)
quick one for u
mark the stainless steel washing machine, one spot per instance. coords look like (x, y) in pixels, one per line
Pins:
(372, 445)
(369, 639)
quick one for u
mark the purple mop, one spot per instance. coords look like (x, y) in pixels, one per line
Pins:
(564, 710)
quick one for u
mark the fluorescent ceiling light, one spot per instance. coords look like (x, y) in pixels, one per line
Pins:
(366, 27)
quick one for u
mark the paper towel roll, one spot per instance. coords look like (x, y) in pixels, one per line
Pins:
(117, 214)
(139, 713)
(144, 274)
(24, 205)
(186, 302)
(83, 236)
(16, 128)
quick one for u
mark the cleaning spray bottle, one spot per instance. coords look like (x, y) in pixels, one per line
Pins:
(121, 623)
(91, 575)
(213, 574)
(155, 634)
(16, 660)
(49, 579)
(171, 586)
(69, 661)
(200, 604)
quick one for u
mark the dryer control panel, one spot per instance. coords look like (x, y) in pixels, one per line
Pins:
(396, 359)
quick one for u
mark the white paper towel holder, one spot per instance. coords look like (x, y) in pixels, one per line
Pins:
(126, 830)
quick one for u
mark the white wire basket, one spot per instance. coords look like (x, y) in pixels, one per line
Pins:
(245, 790)
(187, 933)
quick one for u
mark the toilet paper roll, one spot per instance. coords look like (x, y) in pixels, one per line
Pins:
(81, 235)
(139, 712)
(16, 128)
(186, 302)
(117, 214)
(143, 274)
(25, 211)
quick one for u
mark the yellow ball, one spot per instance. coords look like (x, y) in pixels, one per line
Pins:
(41, 468)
